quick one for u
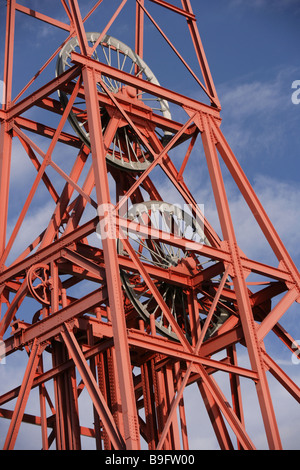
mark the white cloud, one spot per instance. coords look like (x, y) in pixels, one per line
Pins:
(21, 166)
(249, 98)
(281, 202)
(279, 198)
(258, 115)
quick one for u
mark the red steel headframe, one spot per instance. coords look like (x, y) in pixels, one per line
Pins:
(137, 341)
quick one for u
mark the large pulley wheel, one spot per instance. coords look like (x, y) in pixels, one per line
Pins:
(173, 220)
(126, 150)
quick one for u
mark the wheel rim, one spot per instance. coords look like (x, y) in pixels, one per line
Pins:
(126, 150)
(39, 283)
(170, 218)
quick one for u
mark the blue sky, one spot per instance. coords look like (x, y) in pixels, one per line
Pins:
(252, 48)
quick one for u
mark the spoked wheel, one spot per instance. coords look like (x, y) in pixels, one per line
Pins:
(126, 150)
(39, 283)
(173, 220)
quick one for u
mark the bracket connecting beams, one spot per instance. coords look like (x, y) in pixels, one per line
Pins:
(135, 376)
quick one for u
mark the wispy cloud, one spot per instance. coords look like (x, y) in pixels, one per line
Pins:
(281, 202)
(246, 99)
(258, 115)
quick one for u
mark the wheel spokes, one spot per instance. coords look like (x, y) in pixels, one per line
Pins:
(170, 219)
(126, 151)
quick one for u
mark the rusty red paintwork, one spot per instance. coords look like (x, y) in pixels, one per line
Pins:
(153, 324)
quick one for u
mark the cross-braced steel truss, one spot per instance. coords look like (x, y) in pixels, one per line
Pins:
(121, 293)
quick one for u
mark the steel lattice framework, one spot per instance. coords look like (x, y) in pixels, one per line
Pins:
(126, 295)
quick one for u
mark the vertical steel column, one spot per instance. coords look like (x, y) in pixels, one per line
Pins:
(149, 404)
(74, 424)
(245, 311)
(19, 409)
(193, 309)
(104, 389)
(114, 390)
(235, 388)
(42, 396)
(92, 387)
(111, 263)
(5, 161)
(115, 395)
(93, 362)
(139, 30)
(60, 428)
(71, 394)
(62, 408)
(5, 135)
(161, 406)
(9, 51)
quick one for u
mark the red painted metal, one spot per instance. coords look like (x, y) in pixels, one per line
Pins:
(79, 289)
